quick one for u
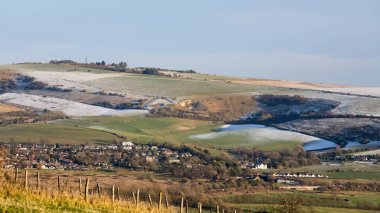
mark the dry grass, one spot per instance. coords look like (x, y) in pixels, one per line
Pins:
(6, 74)
(14, 198)
(230, 106)
(286, 84)
(5, 108)
(126, 180)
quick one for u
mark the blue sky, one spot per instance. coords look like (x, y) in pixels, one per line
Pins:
(320, 41)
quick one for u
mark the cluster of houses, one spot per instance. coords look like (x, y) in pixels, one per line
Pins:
(365, 158)
(299, 175)
(253, 165)
(84, 157)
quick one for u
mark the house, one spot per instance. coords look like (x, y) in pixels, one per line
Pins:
(261, 166)
(127, 144)
(173, 160)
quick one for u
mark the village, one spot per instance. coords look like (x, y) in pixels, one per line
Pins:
(179, 162)
(87, 157)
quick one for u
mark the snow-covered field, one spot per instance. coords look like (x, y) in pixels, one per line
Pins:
(372, 91)
(70, 108)
(69, 80)
(263, 134)
(350, 104)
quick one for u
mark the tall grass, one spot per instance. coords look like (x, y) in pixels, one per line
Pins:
(15, 198)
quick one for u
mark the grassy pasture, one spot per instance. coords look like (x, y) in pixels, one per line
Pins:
(346, 171)
(344, 200)
(314, 209)
(53, 133)
(172, 87)
(151, 85)
(145, 129)
(175, 131)
(241, 139)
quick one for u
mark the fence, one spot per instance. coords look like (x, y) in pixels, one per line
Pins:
(86, 189)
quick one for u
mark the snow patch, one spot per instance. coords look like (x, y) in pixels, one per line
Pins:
(263, 134)
(70, 108)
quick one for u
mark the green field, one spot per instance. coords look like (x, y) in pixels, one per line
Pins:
(314, 209)
(144, 129)
(315, 200)
(175, 131)
(172, 87)
(53, 133)
(243, 139)
(346, 171)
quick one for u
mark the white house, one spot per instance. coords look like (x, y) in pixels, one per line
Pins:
(261, 166)
(127, 143)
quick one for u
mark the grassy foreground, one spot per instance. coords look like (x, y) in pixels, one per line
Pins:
(17, 199)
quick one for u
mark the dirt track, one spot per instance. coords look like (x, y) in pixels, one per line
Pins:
(287, 84)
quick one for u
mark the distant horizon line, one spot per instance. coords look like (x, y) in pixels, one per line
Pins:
(198, 72)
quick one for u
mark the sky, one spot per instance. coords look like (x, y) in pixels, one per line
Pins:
(329, 41)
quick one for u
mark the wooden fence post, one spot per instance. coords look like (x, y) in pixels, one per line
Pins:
(217, 209)
(80, 186)
(166, 201)
(150, 200)
(26, 179)
(113, 193)
(187, 206)
(160, 201)
(181, 208)
(134, 197)
(38, 180)
(16, 174)
(59, 184)
(98, 188)
(199, 207)
(118, 193)
(138, 197)
(86, 189)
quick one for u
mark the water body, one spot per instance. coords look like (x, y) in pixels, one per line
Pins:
(319, 145)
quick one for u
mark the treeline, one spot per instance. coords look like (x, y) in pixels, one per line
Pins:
(123, 67)
(286, 158)
(274, 100)
(28, 116)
